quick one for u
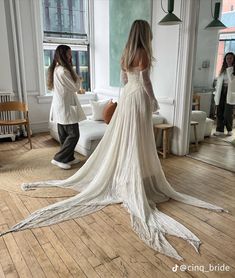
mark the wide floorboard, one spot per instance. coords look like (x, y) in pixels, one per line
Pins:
(104, 245)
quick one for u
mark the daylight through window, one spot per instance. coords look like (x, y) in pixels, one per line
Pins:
(66, 22)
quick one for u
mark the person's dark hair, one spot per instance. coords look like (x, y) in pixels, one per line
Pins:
(60, 58)
(224, 65)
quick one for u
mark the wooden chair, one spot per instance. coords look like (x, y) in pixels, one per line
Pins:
(196, 102)
(20, 107)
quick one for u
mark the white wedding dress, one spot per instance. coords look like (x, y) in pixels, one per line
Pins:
(124, 168)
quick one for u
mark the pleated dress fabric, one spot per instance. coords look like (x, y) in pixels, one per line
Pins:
(124, 168)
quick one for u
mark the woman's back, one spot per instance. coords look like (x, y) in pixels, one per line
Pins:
(140, 61)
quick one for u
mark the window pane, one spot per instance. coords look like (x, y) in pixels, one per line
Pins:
(81, 66)
(65, 18)
(48, 58)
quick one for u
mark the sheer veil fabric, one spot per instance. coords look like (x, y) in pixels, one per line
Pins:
(124, 168)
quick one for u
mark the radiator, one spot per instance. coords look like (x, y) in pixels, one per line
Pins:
(7, 131)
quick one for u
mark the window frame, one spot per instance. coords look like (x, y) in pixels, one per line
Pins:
(71, 41)
(43, 95)
(76, 47)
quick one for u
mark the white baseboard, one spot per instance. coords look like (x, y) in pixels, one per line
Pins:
(39, 127)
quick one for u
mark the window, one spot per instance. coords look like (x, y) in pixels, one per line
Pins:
(66, 22)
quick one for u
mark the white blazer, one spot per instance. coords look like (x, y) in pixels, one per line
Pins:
(231, 87)
(65, 107)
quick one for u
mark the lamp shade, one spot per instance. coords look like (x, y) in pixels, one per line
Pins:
(170, 18)
(216, 23)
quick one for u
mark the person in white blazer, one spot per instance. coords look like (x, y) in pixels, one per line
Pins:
(66, 110)
(225, 95)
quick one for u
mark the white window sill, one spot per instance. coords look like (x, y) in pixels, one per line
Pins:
(83, 98)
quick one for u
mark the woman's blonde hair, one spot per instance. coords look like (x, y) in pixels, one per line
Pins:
(140, 38)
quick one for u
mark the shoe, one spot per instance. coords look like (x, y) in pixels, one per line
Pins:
(61, 164)
(218, 133)
(75, 161)
(230, 133)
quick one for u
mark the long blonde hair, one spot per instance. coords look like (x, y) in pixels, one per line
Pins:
(140, 38)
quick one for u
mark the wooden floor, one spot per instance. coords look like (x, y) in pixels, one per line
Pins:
(215, 151)
(104, 245)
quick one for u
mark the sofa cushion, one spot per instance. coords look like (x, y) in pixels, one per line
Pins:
(89, 131)
(98, 109)
(87, 109)
(108, 111)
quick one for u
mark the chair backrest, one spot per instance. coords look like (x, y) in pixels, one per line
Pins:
(13, 106)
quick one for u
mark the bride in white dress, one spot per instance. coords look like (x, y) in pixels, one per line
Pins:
(125, 167)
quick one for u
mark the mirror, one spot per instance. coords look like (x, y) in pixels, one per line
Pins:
(210, 50)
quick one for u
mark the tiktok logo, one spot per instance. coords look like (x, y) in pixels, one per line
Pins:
(175, 268)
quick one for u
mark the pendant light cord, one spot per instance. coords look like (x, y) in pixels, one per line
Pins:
(163, 8)
(211, 10)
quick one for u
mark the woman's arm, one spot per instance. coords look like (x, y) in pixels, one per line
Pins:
(67, 81)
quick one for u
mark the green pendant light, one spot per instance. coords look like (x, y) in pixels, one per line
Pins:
(170, 18)
(216, 23)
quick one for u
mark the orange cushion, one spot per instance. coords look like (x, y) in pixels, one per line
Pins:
(108, 111)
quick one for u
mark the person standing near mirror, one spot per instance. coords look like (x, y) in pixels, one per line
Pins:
(225, 96)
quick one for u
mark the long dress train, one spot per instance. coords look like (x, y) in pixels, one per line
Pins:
(124, 168)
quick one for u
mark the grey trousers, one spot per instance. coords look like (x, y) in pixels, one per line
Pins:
(224, 113)
(69, 136)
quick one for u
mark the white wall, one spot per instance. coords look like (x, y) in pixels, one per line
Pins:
(207, 46)
(6, 83)
(22, 19)
(165, 50)
(29, 49)
(101, 42)
(39, 112)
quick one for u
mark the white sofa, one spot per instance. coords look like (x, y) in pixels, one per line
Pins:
(92, 131)
(204, 127)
